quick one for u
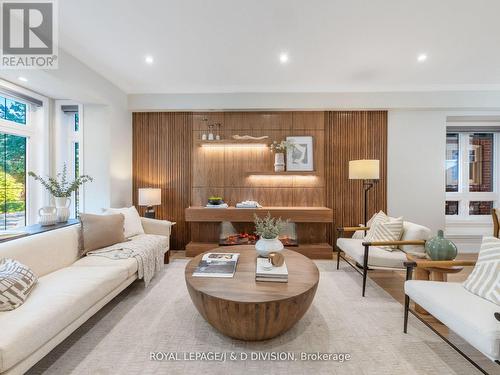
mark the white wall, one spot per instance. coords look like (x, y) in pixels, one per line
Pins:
(483, 100)
(415, 166)
(107, 126)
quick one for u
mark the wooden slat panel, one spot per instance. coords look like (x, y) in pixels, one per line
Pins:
(350, 136)
(162, 159)
(166, 156)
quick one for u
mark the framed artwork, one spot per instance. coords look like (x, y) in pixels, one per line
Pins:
(300, 157)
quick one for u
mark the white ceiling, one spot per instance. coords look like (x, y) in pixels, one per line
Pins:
(203, 46)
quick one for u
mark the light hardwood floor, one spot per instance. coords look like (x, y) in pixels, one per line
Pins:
(392, 282)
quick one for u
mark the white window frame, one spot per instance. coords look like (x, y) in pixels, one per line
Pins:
(76, 137)
(464, 196)
(64, 140)
(27, 131)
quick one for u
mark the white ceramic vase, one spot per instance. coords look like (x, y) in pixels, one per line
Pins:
(279, 162)
(47, 216)
(62, 207)
(265, 246)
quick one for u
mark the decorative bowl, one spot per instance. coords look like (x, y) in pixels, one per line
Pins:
(215, 200)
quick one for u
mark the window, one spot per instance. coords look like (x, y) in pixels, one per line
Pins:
(12, 181)
(471, 189)
(12, 110)
(14, 135)
(76, 156)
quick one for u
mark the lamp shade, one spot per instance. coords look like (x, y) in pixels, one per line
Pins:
(364, 169)
(149, 197)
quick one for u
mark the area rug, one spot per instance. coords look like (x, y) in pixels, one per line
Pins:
(159, 331)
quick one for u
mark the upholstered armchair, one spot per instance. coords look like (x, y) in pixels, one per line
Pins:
(367, 255)
(475, 319)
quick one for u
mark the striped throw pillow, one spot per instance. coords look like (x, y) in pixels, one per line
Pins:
(378, 218)
(390, 230)
(16, 283)
(484, 280)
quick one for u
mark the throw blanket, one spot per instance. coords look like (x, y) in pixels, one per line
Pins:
(148, 250)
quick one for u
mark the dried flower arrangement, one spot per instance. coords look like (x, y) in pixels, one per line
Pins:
(268, 227)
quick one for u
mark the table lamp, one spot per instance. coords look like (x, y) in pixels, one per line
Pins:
(149, 197)
(369, 172)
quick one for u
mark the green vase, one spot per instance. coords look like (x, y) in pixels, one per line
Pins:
(440, 248)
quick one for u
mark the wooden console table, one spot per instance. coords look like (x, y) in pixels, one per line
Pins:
(312, 226)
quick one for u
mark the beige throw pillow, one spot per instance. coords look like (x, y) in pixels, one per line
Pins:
(16, 283)
(484, 280)
(98, 231)
(132, 224)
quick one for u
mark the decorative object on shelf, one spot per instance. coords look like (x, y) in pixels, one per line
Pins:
(248, 204)
(47, 216)
(62, 208)
(205, 128)
(211, 132)
(276, 259)
(279, 150)
(149, 197)
(300, 157)
(217, 135)
(440, 248)
(249, 137)
(61, 189)
(369, 172)
(279, 162)
(268, 228)
(215, 200)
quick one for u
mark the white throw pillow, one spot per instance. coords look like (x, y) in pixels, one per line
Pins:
(484, 281)
(412, 232)
(132, 225)
(391, 230)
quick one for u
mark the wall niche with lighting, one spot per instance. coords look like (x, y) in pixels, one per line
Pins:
(244, 170)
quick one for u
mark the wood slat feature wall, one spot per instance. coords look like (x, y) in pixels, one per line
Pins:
(162, 159)
(165, 155)
(352, 135)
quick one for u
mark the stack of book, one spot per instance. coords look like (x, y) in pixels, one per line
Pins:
(265, 271)
(222, 205)
(217, 265)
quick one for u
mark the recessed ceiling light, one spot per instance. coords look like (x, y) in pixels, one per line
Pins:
(149, 59)
(283, 58)
(422, 57)
(22, 79)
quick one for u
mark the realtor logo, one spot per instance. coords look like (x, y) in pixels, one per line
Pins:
(29, 34)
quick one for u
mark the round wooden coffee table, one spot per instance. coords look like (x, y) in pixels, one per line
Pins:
(245, 309)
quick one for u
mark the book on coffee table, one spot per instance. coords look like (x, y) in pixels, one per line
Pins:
(264, 272)
(217, 265)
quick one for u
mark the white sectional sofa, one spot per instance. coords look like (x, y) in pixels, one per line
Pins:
(69, 291)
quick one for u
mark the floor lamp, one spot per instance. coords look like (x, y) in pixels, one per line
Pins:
(369, 172)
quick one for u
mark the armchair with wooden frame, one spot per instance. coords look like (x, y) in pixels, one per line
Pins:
(473, 318)
(368, 255)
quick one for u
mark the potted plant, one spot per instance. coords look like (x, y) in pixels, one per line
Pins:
(268, 229)
(279, 150)
(61, 189)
